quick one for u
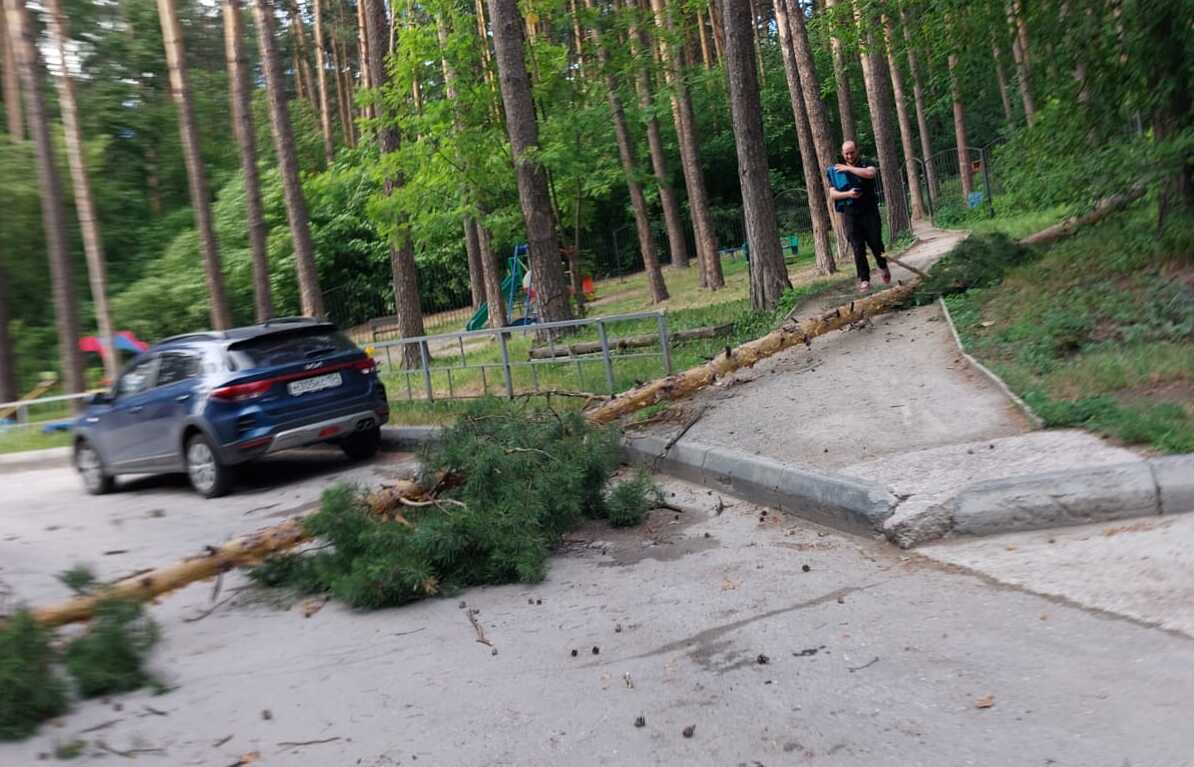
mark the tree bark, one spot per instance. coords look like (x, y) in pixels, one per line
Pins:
(1020, 57)
(818, 120)
(292, 188)
(922, 123)
(1005, 97)
(491, 267)
(300, 52)
(672, 218)
(221, 317)
(845, 103)
(240, 95)
(543, 245)
(402, 256)
(960, 128)
(702, 33)
(66, 311)
(472, 248)
(364, 73)
(718, 30)
(626, 152)
(344, 95)
(822, 222)
(325, 108)
(13, 113)
(905, 123)
(768, 275)
(889, 162)
(757, 42)
(686, 134)
(84, 200)
(8, 368)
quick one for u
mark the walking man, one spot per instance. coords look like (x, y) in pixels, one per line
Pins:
(855, 196)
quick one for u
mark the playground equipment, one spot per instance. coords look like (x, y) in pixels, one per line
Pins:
(47, 382)
(513, 291)
(126, 340)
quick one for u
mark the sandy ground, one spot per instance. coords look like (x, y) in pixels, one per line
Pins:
(871, 656)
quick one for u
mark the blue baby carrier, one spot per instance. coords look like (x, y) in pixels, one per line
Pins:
(839, 180)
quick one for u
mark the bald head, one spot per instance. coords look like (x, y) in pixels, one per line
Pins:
(850, 152)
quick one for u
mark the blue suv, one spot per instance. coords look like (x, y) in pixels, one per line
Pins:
(204, 403)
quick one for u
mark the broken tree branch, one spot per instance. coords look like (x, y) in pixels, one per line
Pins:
(1103, 208)
(472, 617)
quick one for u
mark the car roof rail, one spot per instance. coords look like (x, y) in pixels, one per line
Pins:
(205, 336)
(289, 320)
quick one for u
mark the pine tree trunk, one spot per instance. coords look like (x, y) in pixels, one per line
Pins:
(690, 156)
(543, 245)
(1005, 97)
(889, 162)
(818, 120)
(703, 34)
(300, 51)
(66, 311)
(221, 317)
(627, 154)
(845, 103)
(905, 122)
(240, 94)
(292, 189)
(153, 188)
(491, 267)
(472, 248)
(403, 271)
(757, 42)
(768, 275)
(325, 107)
(672, 218)
(922, 124)
(822, 222)
(1020, 57)
(8, 369)
(364, 74)
(13, 113)
(719, 36)
(84, 200)
(343, 94)
(960, 128)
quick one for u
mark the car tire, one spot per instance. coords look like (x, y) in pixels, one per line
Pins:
(90, 466)
(207, 474)
(362, 445)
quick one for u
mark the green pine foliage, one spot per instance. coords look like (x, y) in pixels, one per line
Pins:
(523, 479)
(979, 261)
(30, 689)
(110, 656)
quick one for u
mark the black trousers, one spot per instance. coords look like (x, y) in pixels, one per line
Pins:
(864, 228)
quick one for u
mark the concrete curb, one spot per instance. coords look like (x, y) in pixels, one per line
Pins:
(1003, 387)
(1153, 487)
(845, 503)
(408, 438)
(49, 458)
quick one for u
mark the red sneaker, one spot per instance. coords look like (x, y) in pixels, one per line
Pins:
(886, 273)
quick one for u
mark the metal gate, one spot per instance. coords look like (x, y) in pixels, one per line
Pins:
(956, 185)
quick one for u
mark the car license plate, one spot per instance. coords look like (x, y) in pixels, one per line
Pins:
(318, 383)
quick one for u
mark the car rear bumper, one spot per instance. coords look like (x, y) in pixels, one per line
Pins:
(285, 438)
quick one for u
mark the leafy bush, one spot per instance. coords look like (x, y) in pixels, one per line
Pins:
(110, 656)
(30, 690)
(519, 481)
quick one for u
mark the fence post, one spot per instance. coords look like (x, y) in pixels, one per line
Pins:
(426, 370)
(605, 360)
(665, 344)
(506, 366)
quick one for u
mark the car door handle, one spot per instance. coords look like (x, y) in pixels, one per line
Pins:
(136, 408)
(182, 398)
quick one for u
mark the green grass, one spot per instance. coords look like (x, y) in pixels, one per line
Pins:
(30, 438)
(1097, 330)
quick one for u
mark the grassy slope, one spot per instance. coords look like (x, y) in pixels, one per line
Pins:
(19, 440)
(1098, 331)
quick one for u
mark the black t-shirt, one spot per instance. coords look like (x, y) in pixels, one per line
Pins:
(869, 201)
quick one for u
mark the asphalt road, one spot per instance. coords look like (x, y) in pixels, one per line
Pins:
(778, 642)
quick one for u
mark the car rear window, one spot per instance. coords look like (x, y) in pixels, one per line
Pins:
(287, 347)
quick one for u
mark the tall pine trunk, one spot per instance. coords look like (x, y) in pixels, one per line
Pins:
(292, 188)
(543, 245)
(8, 360)
(13, 113)
(325, 107)
(240, 94)
(343, 94)
(768, 275)
(818, 120)
(403, 271)
(1005, 97)
(906, 135)
(690, 155)
(703, 38)
(845, 103)
(491, 270)
(960, 127)
(818, 210)
(630, 171)
(889, 161)
(97, 271)
(364, 74)
(672, 219)
(1019, 33)
(922, 123)
(299, 36)
(66, 310)
(221, 317)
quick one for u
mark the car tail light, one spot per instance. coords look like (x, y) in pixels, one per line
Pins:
(242, 392)
(367, 366)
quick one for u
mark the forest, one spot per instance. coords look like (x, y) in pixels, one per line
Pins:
(172, 165)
